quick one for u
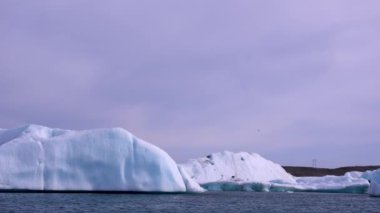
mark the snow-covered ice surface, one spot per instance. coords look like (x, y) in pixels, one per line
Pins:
(374, 187)
(235, 167)
(39, 158)
(227, 171)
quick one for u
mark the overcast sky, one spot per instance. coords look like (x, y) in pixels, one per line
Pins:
(290, 80)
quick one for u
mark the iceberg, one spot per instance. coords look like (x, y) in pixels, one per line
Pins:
(228, 171)
(351, 182)
(40, 158)
(374, 187)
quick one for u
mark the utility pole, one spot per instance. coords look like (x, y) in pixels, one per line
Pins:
(314, 163)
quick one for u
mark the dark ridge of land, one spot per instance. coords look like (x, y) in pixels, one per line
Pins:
(300, 171)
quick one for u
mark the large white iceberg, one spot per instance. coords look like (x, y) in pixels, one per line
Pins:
(227, 171)
(39, 158)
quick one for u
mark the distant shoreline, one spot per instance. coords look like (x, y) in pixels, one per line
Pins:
(302, 171)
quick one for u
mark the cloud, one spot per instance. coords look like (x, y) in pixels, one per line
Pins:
(269, 77)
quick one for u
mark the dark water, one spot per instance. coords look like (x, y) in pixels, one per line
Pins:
(205, 202)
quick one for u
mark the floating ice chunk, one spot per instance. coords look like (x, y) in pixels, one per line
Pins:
(351, 182)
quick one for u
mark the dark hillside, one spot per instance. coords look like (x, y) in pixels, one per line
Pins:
(310, 171)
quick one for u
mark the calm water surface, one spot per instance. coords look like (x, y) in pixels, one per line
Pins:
(205, 202)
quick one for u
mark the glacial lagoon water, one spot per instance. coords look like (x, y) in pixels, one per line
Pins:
(205, 202)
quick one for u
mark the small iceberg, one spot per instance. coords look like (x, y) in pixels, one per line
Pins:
(374, 186)
(228, 171)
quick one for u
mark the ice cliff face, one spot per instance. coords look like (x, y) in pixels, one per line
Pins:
(39, 158)
(374, 187)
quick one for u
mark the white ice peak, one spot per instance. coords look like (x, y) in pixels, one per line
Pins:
(235, 167)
